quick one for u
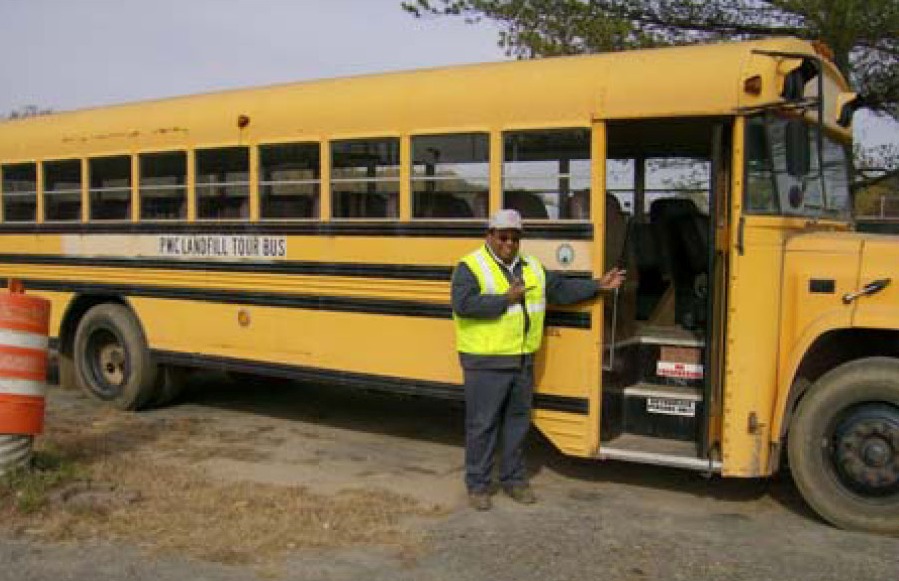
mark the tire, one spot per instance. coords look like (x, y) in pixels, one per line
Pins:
(844, 446)
(65, 371)
(112, 359)
(171, 382)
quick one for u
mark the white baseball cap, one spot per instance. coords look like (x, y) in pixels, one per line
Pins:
(506, 220)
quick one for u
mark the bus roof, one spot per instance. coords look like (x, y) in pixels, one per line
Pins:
(696, 80)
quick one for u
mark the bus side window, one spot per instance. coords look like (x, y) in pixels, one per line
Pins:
(163, 186)
(20, 192)
(450, 175)
(110, 188)
(62, 190)
(546, 173)
(365, 178)
(223, 183)
(289, 180)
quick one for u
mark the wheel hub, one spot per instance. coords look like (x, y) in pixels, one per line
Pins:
(112, 363)
(866, 453)
(876, 453)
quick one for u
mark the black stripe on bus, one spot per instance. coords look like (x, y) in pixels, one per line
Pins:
(569, 319)
(540, 231)
(349, 269)
(392, 271)
(574, 405)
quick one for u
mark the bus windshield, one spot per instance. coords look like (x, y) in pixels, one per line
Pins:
(786, 174)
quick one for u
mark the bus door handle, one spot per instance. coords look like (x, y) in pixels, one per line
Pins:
(741, 226)
(869, 289)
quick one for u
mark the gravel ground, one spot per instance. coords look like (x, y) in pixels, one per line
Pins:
(594, 520)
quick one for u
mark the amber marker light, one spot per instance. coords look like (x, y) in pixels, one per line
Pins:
(753, 85)
(243, 318)
(822, 50)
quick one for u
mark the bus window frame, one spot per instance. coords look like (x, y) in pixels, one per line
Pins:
(590, 128)
(36, 193)
(824, 213)
(194, 185)
(131, 158)
(411, 174)
(328, 143)
(257, 182)
(42, 189)
(187, 187)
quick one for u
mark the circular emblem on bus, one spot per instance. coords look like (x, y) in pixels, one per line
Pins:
(565, 254)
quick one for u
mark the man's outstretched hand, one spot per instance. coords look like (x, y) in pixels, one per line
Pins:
(612, 279)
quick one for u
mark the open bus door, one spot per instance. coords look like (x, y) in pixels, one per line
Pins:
(668, 181)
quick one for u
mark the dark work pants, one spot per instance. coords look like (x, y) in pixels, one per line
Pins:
(497, 402)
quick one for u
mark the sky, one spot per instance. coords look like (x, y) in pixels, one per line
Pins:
(71, 54)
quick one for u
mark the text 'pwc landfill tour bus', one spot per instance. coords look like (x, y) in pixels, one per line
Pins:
(309, 231)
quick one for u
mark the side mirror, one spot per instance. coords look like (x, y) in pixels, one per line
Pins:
(799, 155)
(847, 105)
(795, 81)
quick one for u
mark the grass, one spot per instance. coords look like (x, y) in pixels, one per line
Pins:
(99, 475)
(27, 488)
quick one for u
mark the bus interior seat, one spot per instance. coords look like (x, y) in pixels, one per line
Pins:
(579, 205)
(367, 205)
(302, 206)
(110, 209)
(527, 203)
(616, 231)
(616, 254)
(164, 208)
(682, 235)
(644, 255)
(447, 206)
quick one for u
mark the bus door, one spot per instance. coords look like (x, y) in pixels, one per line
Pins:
(666, 223)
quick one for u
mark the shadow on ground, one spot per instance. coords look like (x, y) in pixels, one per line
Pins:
(441, 421)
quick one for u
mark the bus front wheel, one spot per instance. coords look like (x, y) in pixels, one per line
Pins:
(112, 360)
(844, 446)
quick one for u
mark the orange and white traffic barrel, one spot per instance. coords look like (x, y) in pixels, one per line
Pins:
(24, 325)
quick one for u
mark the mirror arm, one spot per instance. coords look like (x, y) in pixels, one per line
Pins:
(820, 140)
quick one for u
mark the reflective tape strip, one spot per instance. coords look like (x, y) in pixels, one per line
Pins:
(10, 386)
(15, 450)
(486, 273)
(513, 309)
(21, 414)
(24, 313)
(20, 363)
(23, 339)
(539, 307)
(538, 271)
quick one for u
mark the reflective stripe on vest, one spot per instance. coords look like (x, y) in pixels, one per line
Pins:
(503, 335)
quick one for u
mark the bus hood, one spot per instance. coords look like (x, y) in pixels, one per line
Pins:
(861, 269)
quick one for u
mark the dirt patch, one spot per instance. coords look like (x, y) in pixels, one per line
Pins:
(116, 486)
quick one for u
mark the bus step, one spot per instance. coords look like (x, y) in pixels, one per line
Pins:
(660, 358)
(659, 451)
(655, 410)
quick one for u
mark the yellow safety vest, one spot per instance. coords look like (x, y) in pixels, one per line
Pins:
(505, 334)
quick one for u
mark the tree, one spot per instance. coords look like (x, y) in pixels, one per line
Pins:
(28, 111)
(875, 161)
(863, 34)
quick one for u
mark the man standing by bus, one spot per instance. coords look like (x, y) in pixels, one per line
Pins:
(499, 301)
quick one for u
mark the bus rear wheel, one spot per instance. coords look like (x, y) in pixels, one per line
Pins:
(112, 360)
(844, 446)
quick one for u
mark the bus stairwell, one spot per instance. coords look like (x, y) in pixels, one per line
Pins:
(656, 387)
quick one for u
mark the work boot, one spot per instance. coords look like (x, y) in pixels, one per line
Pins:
(479, 500)
(521, 493)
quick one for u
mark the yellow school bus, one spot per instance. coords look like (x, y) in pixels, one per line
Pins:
(309, 231)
